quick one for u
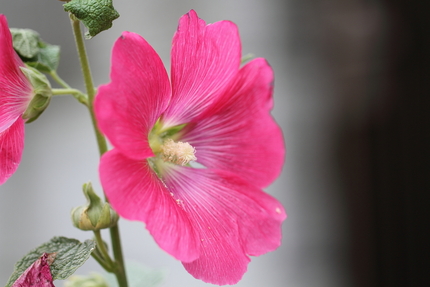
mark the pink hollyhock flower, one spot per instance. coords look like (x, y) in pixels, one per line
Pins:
(211, 216)
(15, 94)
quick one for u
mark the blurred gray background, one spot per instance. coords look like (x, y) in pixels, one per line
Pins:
(337, 90)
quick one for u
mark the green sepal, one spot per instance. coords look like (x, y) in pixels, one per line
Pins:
(34, 51)
(159, 133)
(96, 15)
(42, 94)
(96, 214)
(172, 131)
(70, 255)
(246, 58)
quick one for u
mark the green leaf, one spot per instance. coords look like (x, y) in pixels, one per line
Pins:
(97, 15)
(71, 254)
(25, 42)
(47, 59)
(34, 52)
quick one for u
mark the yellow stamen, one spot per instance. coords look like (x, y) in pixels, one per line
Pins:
(178, 152)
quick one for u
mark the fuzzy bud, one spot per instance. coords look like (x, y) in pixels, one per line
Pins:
(95, 215)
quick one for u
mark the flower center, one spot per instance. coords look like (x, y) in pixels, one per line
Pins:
(177, 152)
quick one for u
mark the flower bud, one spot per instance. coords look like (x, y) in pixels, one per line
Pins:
(41, 93)
(95, 214)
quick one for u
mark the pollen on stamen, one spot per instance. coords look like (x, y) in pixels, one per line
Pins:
(178, 152)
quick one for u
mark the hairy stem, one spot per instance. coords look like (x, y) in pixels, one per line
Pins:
(82, 98)
(60, 81)
(101, 141)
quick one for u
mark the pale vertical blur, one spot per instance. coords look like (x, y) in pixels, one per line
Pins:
(320, 52)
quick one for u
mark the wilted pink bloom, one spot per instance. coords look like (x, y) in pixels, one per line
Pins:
(211, 216)
(15, 95)
(37, 274)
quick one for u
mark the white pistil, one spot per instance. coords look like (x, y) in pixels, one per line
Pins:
(178, 152)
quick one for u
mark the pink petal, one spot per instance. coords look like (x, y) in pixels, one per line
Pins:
(204, 60)
(233, 218)
(238, 133)
(11, 147)
(136, 193)
(37, 275)
(128, 107)
(15, 89)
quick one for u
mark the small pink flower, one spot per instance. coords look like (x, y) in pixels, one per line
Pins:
(211, 216)
(15, 95)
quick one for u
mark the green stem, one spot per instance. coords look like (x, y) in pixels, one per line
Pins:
(60, 81)
(117, 253)
(101, 141)
(102, 263)
(102, 248)
(82, 98)
(65, 91)
(114, 231)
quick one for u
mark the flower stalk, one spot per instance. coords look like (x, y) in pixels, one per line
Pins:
(82, 98)
(102, 249)
(59, 80)
(102, 144)
(86, 72)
